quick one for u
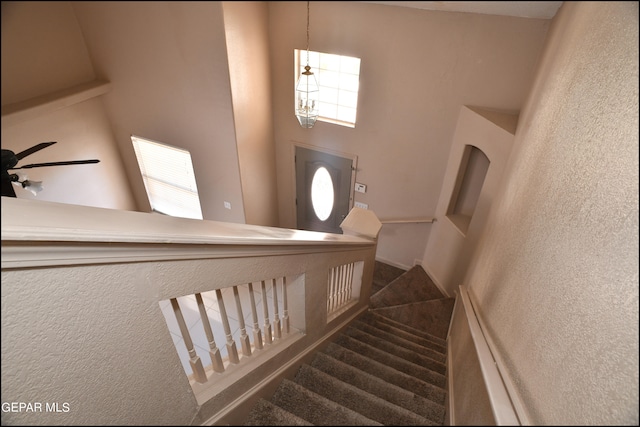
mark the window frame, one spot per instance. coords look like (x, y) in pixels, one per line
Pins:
(316, 59)
(170, 183)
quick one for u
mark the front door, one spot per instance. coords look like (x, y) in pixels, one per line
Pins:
(323, 189)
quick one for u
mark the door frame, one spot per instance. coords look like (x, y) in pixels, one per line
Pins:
(350, 156)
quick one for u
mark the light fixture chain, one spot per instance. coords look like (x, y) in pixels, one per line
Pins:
(308, 2)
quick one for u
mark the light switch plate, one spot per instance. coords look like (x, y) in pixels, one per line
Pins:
(361, 205)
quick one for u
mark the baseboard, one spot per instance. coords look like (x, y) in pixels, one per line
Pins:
(393, 263)
(435, 281)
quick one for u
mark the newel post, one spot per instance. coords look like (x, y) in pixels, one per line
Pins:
(362, 223)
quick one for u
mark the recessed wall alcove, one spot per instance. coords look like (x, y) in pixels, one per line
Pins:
(464, 197)
(479, 152)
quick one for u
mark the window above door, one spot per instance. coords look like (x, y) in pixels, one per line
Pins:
(338, 78)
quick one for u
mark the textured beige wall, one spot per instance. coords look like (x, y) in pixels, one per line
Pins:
(59, 346)
(43, 52)
(418, 68)
(170, 73)
(246, 28)
(556, 272)
(449, 249)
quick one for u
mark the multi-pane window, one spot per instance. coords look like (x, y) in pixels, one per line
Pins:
(168, 177)
(338, 79)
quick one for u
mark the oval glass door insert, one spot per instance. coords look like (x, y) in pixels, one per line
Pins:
(322, 193)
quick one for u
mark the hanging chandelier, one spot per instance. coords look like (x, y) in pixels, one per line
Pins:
(307, 92)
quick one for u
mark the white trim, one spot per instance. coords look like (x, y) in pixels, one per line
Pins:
(393, 264)
(511, 390)
(450, 397)
(408, 221)
(501, 404)
(433, 277)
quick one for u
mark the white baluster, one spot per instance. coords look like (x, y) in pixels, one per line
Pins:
(257, 335)
(276, 314)
(285, 305)
(244, 338)
(194, 360)
(350, 289)
(214, 351)
(332, 290)
(265, 309)
(231, 344)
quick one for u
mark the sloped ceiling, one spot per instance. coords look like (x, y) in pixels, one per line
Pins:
(523, 9)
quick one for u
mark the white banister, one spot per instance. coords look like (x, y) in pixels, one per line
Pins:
(131, 270)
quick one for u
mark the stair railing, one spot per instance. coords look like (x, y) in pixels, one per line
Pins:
(97, 280)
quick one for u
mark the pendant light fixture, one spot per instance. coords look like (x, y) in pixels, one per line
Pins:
(307, 92)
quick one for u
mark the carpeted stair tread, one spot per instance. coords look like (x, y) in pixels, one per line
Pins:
(315, 408)
(432, 316)
(401, 341)
(410, 334)
(413, 285)
(396, 350)
(383, 274)
(378, 387)
(386, 373)
(379, 317)
(391, 360)
(265, 413)
(356, 399)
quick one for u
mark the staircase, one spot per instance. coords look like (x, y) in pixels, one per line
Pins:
(388, 367)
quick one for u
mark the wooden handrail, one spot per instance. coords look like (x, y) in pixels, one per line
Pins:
(501, 403)
(407, 221)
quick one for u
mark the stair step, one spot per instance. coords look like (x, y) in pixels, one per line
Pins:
(432, 342)
(433, 315)
(391, 348)
(383, 274)
(315, 408)
(403, 342)
(356, 399)
(399, 325)
(386, 373)
(413, 285)
(265, 413)
(391, 360)
(379, 387)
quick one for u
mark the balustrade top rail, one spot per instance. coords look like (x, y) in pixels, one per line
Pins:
(28, 220)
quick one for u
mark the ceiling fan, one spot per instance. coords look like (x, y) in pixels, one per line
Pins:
(11, 159)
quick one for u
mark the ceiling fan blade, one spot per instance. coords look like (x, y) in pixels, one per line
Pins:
(33, 149)
(70, 162)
